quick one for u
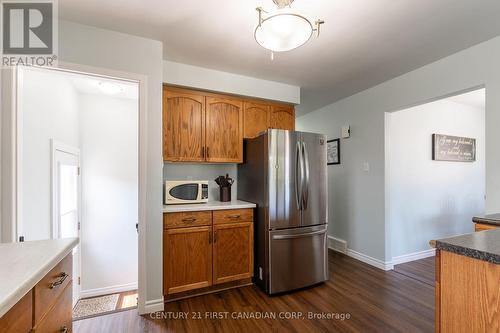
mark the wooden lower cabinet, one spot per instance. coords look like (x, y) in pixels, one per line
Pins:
(233, 251)
(47, 307)
(484, 226)
(205, 257)
(187, 259)
(20, 316)
(467, 294)
(59, 319)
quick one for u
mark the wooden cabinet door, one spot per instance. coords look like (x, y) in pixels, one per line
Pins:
(183, 126)
(283, 117)
(187, 259)
(233, 251)
(255, 119)
(224, 130)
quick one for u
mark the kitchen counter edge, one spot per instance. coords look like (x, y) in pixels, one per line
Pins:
(55, 251)
(483, 245)
(211, 205)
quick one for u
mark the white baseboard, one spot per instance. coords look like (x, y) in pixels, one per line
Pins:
(384, 265)
(108, 290)
(337, 244)
(413, 256)
(152, 306)
(340, 245)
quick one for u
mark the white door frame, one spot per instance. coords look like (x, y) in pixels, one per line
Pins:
(57, 146)
(15, 109)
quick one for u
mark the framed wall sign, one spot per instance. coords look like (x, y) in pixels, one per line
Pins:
(333, 151)
(453, 148)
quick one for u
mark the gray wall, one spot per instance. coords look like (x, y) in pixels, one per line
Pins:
(193, 171)
(358, 205)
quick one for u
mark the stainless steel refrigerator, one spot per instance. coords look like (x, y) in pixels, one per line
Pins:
(284, 173)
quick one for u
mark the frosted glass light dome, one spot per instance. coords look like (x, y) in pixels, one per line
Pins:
(283, 31)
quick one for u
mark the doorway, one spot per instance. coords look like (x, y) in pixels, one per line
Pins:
(435, 197)
(78, 163)
(66, 195)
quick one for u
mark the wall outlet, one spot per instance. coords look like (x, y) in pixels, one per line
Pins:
(366, 167)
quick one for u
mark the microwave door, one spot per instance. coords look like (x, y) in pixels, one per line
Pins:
(185, 192)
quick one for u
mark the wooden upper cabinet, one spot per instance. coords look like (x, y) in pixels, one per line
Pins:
(282, 117)
(255, 118)
(224, 130)
(187, 259)
(183, 126)
(233, 251)
(206, 127)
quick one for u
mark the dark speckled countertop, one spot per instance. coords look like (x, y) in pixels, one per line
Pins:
(483, 245)
(487, 219)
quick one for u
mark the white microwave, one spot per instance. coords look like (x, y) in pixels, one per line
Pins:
(186, 191)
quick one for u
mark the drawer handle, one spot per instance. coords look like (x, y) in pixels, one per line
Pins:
(189, 220)
(63, 329)
(234, 216)
(60, 281)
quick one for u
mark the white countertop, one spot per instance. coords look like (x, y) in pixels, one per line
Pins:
(211, 205)
(22, 265)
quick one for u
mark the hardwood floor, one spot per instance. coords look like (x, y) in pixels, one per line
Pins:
(365, 298)
(423, 270)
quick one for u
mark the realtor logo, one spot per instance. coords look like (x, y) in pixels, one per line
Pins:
(29, 32)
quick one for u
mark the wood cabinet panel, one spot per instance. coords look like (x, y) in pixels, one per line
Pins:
(183, 126)
(59, 318)
(256, 118)
(233, 251)
(20, 317)
(282, 117)
(482, 227)
(186, 219)
(224, 130)
(187, 259)
(469, 294)
(47, 291)
(233, 215)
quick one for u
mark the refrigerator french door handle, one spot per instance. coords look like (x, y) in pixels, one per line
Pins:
(307, 234)
(305, 189)
(298, 180)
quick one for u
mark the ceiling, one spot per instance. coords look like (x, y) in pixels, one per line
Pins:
(362, 43)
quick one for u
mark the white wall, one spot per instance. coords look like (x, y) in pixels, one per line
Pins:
(109, 164)
(49, 111)
(209, 79)
(432, 199)
(357, 204)
(86, 45)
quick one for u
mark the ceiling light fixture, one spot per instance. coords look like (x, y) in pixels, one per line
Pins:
(110, 88)
(284, 29)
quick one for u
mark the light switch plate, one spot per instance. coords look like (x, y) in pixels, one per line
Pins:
(345, 132)
(366, 167)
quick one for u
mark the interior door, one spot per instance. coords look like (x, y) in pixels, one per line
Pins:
(224, 130)
(183, 126)
(284, 179)
(66, 200)
(314, 194)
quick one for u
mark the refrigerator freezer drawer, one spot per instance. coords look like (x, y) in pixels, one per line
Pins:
(298, 258)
